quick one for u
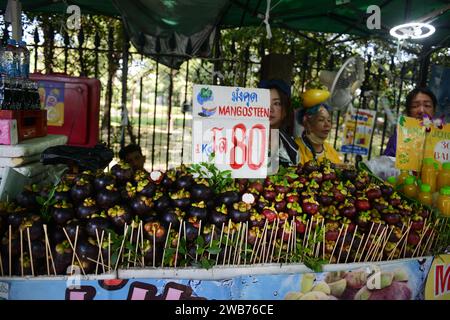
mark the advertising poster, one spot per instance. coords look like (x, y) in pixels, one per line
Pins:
(438, 281)
(233, 123)
(358, 131)
(396, 280)
(52, 99)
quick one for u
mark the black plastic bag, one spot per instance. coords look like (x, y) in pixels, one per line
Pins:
(84, 158)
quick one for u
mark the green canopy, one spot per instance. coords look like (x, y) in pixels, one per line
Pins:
(181, 28)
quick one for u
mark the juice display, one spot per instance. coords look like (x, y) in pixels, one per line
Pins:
(410, 188)
(443, 178)
(443, 201)
(425, 197)
(428, 173)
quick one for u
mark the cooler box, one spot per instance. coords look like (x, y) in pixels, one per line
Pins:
(73, 106)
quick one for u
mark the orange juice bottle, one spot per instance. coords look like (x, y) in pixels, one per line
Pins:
(425, 197)
(443, 201)
(410, 188)
(443, 178)
(428, 173)
(402, 177)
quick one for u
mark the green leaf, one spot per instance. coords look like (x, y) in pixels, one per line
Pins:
(402, 120)
(182, 250)
(200, 241)
(214, 250)
(200, 251)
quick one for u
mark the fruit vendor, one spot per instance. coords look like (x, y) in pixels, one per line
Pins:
(419, 101)
(280, 116)
(316, 119)
(132, 154)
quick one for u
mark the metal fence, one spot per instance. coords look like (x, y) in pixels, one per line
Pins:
(157, 98)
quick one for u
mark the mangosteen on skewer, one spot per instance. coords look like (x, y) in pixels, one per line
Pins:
(240, 212)
(86, 175)
(146, 188)
(228, 198)
(37, 249)
(123, 172)
(162, 202)
(81, 190)
(256, 219)
(103, 180)
(181, 198)
(311, 166)
(152, 254)
(201, 191)
(85, 249)
(168, 179)
(108, 197)
(128, 192)
(87, 208)
(34, 223)
(120, 215)
(198, 210)
(141, 205)
(62, 212)
(293, 209)
(16, 216)
(155, 230)
(62, 192)
(27, 199)
(219, 216)
(170, 216)
(191, 229)
(99, 223)
(71, 229)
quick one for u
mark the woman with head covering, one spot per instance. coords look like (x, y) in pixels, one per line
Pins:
(419, 102)
(281, 117)
(316, 119)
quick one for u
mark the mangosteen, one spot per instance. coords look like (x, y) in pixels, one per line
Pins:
(219, 216)
(152, 255)
(184, 182)
(141, 205)
(120, 215)
(228, 198)
(57, 234)
(155, 230)
(162, 202)
(15, 243)
(81, 190)
(240, 212)
(198, 210)
(63, 252)
(201, 192)
(103, 180)
(208, 234)
(38, 249)
(191, 229)
(123, 172)
(128, 191)
(34, 224)
(146, 188)
(16, 217)
(27, 199)
(99, 223)
(62, 192)
(86, 250)
(108, 197)
(311, 166)
(62, 212)
(86, 175)
(181, 198)
(170, 217)
(87, 209)
(71, 229)
(140, 175)
(168, 179)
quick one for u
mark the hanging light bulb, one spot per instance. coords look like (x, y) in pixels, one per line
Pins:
(412, 30)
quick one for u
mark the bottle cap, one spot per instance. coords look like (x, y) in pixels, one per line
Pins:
(392, 180)
(409, 180)
(446, 166)
(445, 191)
(425, 187)
(428, 161)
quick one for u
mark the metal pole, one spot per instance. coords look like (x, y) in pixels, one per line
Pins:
(169, 116)
(66, 50)
(141, 86)
(184, 111)
(109, 85)
(124, 116)
(154, 113)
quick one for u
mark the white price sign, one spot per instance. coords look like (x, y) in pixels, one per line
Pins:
(233, 123)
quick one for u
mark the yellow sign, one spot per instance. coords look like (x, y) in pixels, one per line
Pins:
(437, 145)
(410, 143)
(438, 281)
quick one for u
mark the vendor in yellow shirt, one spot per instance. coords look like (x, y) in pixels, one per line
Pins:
(316, 119)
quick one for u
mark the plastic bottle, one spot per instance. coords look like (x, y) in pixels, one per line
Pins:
(11, 58)
(443, 201)
(24, 61)
(425, 197)
(443, 178)
(402, 177)
(410, 188)
(392, 181)
(428, 173)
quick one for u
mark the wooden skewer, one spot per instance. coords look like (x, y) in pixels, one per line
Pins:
(220, 242)
(420, 241)
(274, 241)
(429, 237)
(271, 238)
(335, 245)
(137, 244)
(281, 243)
(238, 240)
(96, 261)
(243, 234)
(121, 247)
(73, 246)
(432, 236)
(365, 244)
(256, 245)
(198, 235)
(294, 243)
(342, 244)
(377, 245)
(405, 242)
(165, 245)
(99, 252)
(351, 244)
(317, 244)
(178, 243)
(47, 243)
(141, 228)
(359, 247)
(226, 243)
(154, 246)
(260, 240)
(246, 242)
(289, 243)
(372, 243)
(306, 232)
(1, 266)
(100, 248)
(383, 246)
(109, 252)
(131, 241)
(314, 245)
(31, 252)
(185, 242)
(21, 252)
(231, 246)
(211, 240)
(324, 243)
(9, 251)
